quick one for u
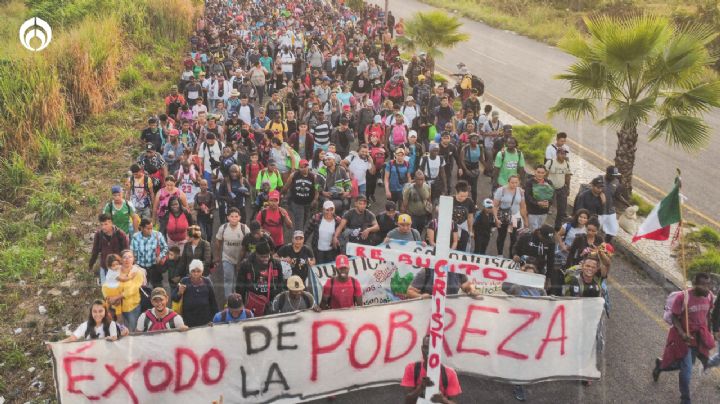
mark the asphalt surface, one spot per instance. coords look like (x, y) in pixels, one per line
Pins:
(518, 74)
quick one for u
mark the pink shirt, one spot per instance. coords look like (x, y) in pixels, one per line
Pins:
(342, 294)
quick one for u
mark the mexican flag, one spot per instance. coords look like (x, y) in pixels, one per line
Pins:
(666, 213)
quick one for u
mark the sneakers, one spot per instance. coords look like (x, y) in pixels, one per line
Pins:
(519, 392)
(656, 371)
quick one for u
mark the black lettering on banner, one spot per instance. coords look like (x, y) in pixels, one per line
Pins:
(275, 368)
(256, 329)
(282, 334)
(245, 392)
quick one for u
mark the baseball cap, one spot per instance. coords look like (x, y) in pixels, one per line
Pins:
(328, 205)
(196, 264)
(421, 77)
(369, 102)
(597, 181)
(115, 189)
(341, 261)
(173, 132)
(304, 163)
(274, 195)
(412, 133)
(329, 156)
(295, 283)
(210, 136)
(298, 233)
(612, 171)
(149, 146)
(271, 162)
(434, 146)
(158, 292)
(174, 87)
(409, 98)
(488, 203)
(547, 231)
(404, 219)
(346, 107)
(390, 205)
(235, 301)
(495, 113)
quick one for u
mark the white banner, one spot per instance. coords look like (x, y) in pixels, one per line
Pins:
(384, 282)
(297, 357)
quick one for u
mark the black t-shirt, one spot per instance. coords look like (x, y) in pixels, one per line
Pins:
(302, 189)
(461, 210)
(300, 259)
(592, 289)
(355, 220)
(386, 224)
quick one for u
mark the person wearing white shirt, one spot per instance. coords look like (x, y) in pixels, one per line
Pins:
(409, 110)
(198, 108)
(358, 164)
(560, 142)
(219, 90)
(98, 326)
(210, 152)
(287, 60)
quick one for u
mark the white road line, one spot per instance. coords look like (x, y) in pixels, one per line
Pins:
(488, 56)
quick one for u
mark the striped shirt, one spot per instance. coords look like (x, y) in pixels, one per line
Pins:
(145, 248)
(321, 132)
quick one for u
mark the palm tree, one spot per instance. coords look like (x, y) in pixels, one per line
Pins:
(431, 31)
(641, 69)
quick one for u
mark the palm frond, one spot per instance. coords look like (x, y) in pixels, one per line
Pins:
(574, 108)
(629, 113)
(700, 98)
(431, 31)
(689, 133)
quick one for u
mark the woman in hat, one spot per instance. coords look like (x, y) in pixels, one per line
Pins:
(197, 296)
(321, 231)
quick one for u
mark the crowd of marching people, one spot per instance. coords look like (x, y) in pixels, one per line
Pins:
(291, 123)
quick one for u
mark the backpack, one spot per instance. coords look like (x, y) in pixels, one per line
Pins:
(502, 157)
(399, 134)
(153, 323)
(667, 313)
(332, 286)
(110, 205)
(478, 83)
(402, 179)
(466, 82)
(224, 315)
(423, 94)
(443, 375)
(149, 184)
(425, 167)
(289, 163)
(378, 156)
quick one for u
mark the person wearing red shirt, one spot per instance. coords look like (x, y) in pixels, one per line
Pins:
(342, 290)
(415, 380)
(272, 218)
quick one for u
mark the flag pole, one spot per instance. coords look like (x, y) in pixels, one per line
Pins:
(683, 265)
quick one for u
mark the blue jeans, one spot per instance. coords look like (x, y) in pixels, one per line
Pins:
(131, 318)
(228, 277)
(362, 189)
(685, 365)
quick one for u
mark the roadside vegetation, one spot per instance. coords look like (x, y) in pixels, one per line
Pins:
(551, 20)
(703, 252)
(69, 117)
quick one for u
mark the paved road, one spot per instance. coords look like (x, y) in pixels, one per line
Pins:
(518, 75)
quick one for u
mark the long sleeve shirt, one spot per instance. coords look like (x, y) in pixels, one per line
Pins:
(145, 248)
(104, 245)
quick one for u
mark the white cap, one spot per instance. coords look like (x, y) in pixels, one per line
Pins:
(196, 264)
(328, 205)
(412, 133)
(329, 155)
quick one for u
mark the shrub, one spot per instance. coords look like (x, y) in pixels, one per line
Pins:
(706, 236)
(129, 77)
(533, 140)
(439, 78)
(15, 174)
(707, 262)
(644, 207)
(141, 93)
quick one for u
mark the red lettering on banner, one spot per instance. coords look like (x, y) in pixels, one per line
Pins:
(532, 316)
(468, 268)
(404, 259)
(559, 311)
(434, 361)
(179, 353)
(439, 268)
(448, 325)
(360, 252)
(394, 324)
(439, 288)
(72, 378)
(120, 381)
(495, 274)
(376, 254)
(421, 262)
(353, 343)
(163, 385)
(319, 350)
(205, 366)
(467, 330)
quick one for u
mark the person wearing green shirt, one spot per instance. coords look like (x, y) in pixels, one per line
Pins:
(266, 61)
(270, 174)
(120, 211)
(509, 161)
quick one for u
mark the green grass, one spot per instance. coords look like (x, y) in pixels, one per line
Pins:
(644, 207)
(49, 153)
(15, 175)
(50, 206)
(141, 93)
(20, 261)
(129, 77)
